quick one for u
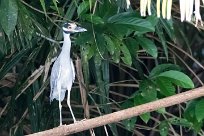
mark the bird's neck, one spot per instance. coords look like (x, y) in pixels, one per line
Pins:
(66, 45)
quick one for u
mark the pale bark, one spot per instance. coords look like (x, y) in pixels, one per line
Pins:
(123, 114)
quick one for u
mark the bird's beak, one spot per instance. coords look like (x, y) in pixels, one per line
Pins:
(79, 29)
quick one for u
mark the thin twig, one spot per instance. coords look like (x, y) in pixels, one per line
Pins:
(83, 92)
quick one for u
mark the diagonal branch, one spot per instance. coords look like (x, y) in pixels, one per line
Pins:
(123, 114)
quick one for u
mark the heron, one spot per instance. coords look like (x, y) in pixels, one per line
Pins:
(63, 73)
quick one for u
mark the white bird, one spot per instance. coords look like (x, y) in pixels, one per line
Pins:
(63, 73)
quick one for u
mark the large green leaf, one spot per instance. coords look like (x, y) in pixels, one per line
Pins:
(116, 55)
(126, 55)
(55, 3)
(8, 14)
(131, 20)
(163, 67)
(145, 117)
(3, 48)
(110, 46)
(180, 122)
(163, 128)
(177, 78)
(138, 100)
(100, 42)
(189, 114)
(148, 90)
(88, 51)
(129, 124)
(165, 86)
(83, 8)
(168, 26)
(149, 46)
(162, 38)
(71, 10)
(199, 110)
(12, 62)
(132, 45)
(107, 9)
(93, 19)
(42, 2)
(118, 30)
(25, 21)
(84, 38)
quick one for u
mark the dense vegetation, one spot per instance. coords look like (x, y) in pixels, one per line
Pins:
(126, 60)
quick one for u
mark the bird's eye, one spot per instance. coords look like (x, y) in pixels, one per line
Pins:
(69, 27)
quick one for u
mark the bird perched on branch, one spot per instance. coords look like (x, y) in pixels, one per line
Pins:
(63, 73)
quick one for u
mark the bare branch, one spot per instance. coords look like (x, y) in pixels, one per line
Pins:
(123, 114)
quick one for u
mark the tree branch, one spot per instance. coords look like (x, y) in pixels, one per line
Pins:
(123, 114)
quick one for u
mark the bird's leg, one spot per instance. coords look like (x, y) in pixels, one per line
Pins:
(68, 103)
(60, 105)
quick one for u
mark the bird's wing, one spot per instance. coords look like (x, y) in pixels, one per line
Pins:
(55, 75)
(73, 70)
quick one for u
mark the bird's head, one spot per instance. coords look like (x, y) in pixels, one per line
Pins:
(69, 28)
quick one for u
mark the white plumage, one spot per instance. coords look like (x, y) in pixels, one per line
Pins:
(63, 73)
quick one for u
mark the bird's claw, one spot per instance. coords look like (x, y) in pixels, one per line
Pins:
(80, 120)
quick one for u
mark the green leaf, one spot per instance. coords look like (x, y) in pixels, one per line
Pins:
(199, 110)
(197, 126)
(116, 55)
(180, 122)
(119, 33)
(149, 46)
(100, 42)
(42, 2)
(130, 123)
(12, 62)
(93, 19)
(178, 78)
(161, 110)
(89, 51)
(148, 90)
(163, 67)
(138, 100)
(163, 128)
(153, 19)
(83, 8)
(107, 9)
(165, 86)
(84, 38)
(55, 3)
(145, 117)
(161, 36)
(110, 46)
(26, 22)
(71, 10)
(132, 45)
(127, 104)
(126, 55)
(168, 26)
(189, 112)
(131, 20)
(3, 47)
(8, 14)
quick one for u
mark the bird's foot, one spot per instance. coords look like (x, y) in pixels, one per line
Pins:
(61, 125)
(84, 119)
(80, 120)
